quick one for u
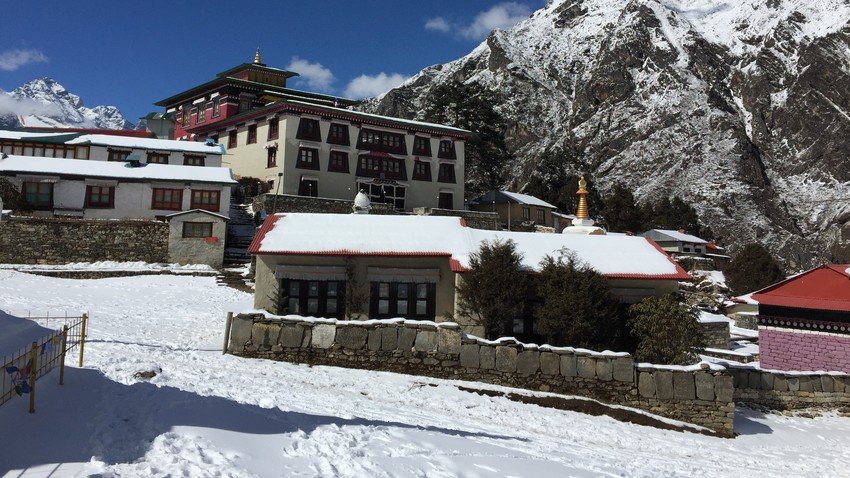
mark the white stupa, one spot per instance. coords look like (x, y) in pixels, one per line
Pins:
(362, 204)
(583, 224)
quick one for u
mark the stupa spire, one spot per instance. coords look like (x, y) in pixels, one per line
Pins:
(581, 212)
(257, 59)
(583, 224)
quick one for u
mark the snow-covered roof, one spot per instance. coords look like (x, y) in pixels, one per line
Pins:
(120, 141)
(202, 211)
(113, 169)
(677, 236)
(354, 234)
(528, 199)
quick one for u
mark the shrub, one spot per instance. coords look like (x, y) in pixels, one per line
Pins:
(577, 308)
(493, 291)
(751, 269)
(666, 331)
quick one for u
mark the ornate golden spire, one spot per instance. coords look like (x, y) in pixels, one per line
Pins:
(581, 212)
(257, 60)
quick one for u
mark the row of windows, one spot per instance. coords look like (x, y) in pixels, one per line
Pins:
(40, 196)
(368, 166)
(387, 299)
(44, 150)
(378, 193)
(201, 113)
(157, 158)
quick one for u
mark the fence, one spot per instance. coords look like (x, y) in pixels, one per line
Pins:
(25, 366)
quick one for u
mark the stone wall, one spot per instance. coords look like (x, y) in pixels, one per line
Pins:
(290, 203)
(716, 334)
(474, 219)
(790, 390)
(694, 395)
(33, 240)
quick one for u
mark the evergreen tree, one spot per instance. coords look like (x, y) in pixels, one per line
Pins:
(751, 269)
(673, 214)
(494, 290)
(470, 106)
(577, 308)
(666, 331)
(621, 213)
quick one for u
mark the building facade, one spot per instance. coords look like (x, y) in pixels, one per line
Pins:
(309, 144)
(677, 241)
(516, 209)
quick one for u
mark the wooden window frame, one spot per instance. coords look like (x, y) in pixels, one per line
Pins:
(206, 206)
(151, 155)
(422, 171)
(109, 203)
(202, 115)
(311, 165)
(48, 205)
(526, 213)
(197, 230)
(176, 203)
(541, 216)
(232, 139)
(341, 163)
(449, 152)
(194, 160)
(394, 296)
(375, 191)
(344, 139)
(441, 200)
(111, 153)
(216, 108)
(252, 134)
(304, 131)
(322, 297)
(381, 168)
(418, 149)
(274, 128)
(375, 140)
(271, 158)
(443, 177)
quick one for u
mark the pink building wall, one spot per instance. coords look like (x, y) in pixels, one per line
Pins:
(790, 349)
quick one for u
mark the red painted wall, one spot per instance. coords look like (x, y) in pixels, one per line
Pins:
(789, 349)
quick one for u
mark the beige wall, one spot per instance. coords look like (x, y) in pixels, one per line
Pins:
(251, 160)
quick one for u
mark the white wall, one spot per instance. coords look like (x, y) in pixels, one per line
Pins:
(101, 153)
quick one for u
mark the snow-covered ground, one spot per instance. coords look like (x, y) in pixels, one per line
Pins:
(207, 414)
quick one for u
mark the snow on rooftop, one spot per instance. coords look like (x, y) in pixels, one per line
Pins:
(9, 134)
(148, 143)
(527, 199)
(681, 236)
(107, 169)
(380, 117)
(298, 233)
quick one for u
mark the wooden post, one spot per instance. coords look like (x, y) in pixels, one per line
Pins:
(33, 373)
(227, 326)
(83, 338)
(62, 357)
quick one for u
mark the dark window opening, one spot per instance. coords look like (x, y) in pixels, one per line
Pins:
(102, 197)
(274, 125)
(541, 217)
(338, 134)
(271, 157)
(308, 158)
(252, 134)
(338, 162)
(446, 201)
(401, 299)
(118, 155)
(382, 141)
(313, 298)
(384, 193)
(308, 188)
(382, 168)
(421, 146)
(422, 171)
(231, 139)
(157, 158)
(193, 160)
(216, 108)
(526, 213)
(309, 129)
(446, 173)
(447, 150)
(38, 195)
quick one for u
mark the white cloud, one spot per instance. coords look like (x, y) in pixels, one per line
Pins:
(25, 106)
(502, 16)
(438, 24)
(314, 75)
(373, 85)
(11, 60)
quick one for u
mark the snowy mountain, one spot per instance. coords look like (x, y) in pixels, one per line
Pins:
(742, 107)
(44, 102)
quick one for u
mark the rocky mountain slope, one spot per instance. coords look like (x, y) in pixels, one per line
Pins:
(742, 107)
(44, 102)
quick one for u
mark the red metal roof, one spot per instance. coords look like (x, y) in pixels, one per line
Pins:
(823, 288)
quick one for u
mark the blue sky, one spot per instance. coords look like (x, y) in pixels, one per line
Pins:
(131, 54)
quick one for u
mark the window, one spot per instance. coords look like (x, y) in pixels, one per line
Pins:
(446, 173)
(447, 149)
(308, 158)
(308, 129)
(168, 199)
(338, 134)
(38, 195)
(686, 248)
(157, 158)
(541, 217)
(526, 213)
(252, 134)
(205, 199)
(382, 141)
(216, 106)
(231, 139)
(274, 127)
(185, 116)
(193, 160)
(100, 197)
(197, 230)
(271, 157)
(421, 171)
(117, 155)
(381, 167)
(202, 114)
(308, 187)
(402, 299)
(338, 162)
(421, 146)
(313, 297)
(384, 193)
(445, 201)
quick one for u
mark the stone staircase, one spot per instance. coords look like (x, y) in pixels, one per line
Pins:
(240, 233)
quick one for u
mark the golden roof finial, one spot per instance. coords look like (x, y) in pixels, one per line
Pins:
(581, 212)
(257, 60)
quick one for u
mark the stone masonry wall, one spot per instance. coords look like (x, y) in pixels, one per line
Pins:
(716, 334)
(33, 240)
(694, 395)
(790, 390)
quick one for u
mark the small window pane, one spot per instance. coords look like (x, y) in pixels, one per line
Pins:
(383, 306)
(331, 303)
(294, 306)
(402, 291)
(421, 307)
(312, 305)
(384, 290)
(421, 291)
(402, 307)
(519, 326)
(314, 289)
(294, 288)
(332, 289)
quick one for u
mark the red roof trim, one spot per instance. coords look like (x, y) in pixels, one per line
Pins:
(765, 296)
(681, 274)
(267, 226)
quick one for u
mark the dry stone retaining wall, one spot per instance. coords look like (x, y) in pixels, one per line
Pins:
(790, 390)
(702, 397)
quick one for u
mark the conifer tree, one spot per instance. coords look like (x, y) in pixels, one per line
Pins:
(621, 213)
(666, 331)
(751, 269)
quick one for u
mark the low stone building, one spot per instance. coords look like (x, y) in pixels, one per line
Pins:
(197, 237)
(677, 241)
(516, 211)
(373, 266)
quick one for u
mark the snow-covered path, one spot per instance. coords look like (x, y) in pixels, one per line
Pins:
(206, 414)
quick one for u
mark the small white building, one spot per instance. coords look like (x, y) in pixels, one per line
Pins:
(677, 241)
(116, 190)
(110, 147)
